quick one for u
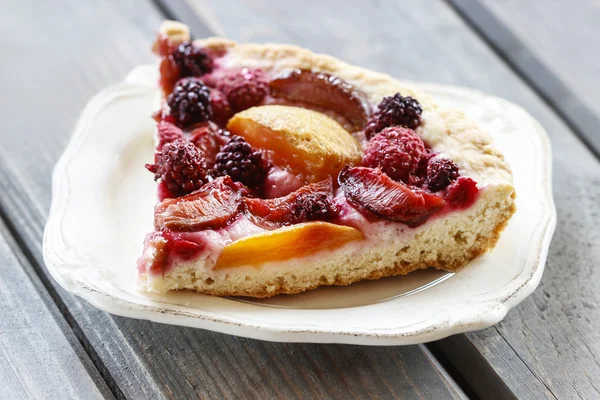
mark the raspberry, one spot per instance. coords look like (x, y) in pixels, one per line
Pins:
(243, 164)
(462, 193)
(397, 151)
(394, 110)
(167, 132)
(190, 102)
(244, 89)
(220, 106)
(191, 60)
(440, 173)
(180, 166)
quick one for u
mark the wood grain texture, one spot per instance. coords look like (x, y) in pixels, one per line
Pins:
(553, 47)
(549, 346)
(141, 359)
(39, 355)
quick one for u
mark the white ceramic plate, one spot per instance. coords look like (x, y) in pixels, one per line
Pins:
(102, 206)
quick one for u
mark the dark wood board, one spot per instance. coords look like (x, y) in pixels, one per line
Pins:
(553, 46)
(76, 49)
(40, 356)
(549, 345)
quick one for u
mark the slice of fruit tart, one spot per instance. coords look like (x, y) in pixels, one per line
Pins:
(280, 170)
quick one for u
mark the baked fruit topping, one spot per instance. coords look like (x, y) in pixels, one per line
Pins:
(441, 172)
(242, 163)
(397, 151)
(286, 243)
(169, 74)
(168, 244)
(214, 206)
(190, 102)
(323, 90)
(373, 191)
(394, 110)
(167, 133)
(208, 138)
(220, 107)
(180, 166)
(244, 89)
(163, 46)
(304, 141)
(180, 58)
(462, 193)
(191, 60)
(312, 202)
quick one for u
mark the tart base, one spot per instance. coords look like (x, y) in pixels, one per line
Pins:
(447, 243)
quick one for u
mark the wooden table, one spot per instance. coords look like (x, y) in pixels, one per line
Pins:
(57, 55)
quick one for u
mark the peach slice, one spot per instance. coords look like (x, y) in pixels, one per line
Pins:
(286, 243)
(306, 142)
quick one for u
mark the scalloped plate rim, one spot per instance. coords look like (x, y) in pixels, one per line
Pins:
(492, 310)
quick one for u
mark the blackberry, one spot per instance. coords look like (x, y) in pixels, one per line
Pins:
(394, 110)
(441, 172)
(243, 164)
(190, 102)
(191, 60)
(316, 206)
(180, 166)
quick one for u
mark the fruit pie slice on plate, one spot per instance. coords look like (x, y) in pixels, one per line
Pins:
(277, 170)
(280, 170)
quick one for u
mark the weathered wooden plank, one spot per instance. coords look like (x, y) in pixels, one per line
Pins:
(553, 47)
(184, 12)
(39, 355)
(141, 359)
(158, 360)
(549, 345)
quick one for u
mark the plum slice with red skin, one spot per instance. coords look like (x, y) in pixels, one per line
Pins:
(369, 189)
(323, 90)
(312, 202)
(209, 138)
(213, 206)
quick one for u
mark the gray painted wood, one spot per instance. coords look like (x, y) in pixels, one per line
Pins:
(549, 346)
(554, 47)
(140, 359)
(40, 358)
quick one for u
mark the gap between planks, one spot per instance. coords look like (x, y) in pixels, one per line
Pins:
(532, 71)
